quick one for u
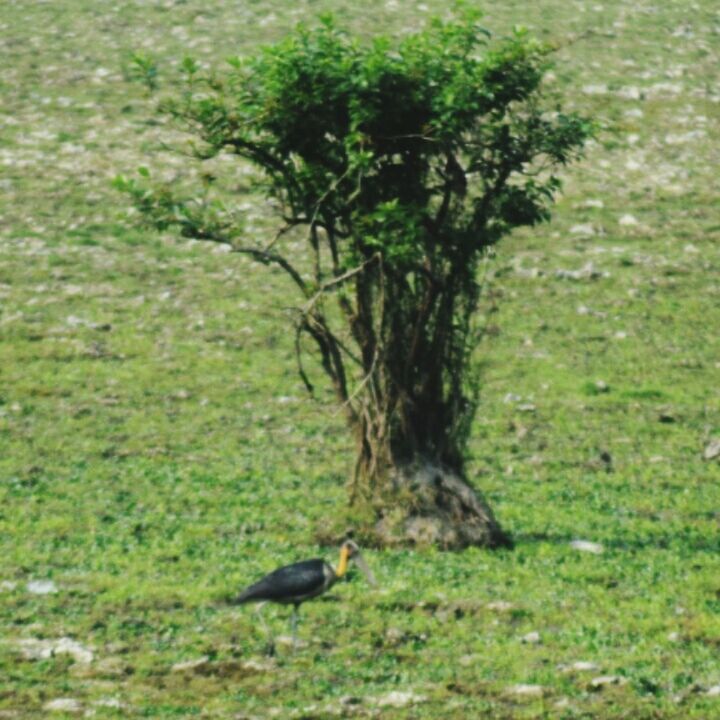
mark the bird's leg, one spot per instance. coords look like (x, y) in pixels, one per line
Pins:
(270, 648)
(293, 625)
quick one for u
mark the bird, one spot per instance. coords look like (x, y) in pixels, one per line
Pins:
(301, 581)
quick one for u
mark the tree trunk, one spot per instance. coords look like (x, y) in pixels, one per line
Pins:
(425, 503)
(410, 471)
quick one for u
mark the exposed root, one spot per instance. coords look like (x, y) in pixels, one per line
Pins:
(439, 508)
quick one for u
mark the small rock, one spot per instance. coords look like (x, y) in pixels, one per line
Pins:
(530, 273)
(108, 702)
(629, 93)
(35, 649)
(592, 203)
(398, 699)
(532, 638)
(712, 450)
(520, 431)
(527, 408)
(598, 683)
(673, 636)
(66, 646)
(595, 90)
(586, 272)
(255, 666)
(714, 691)
(190, 665)
(68, 705)
(579, 666)
(112, 666)
(522, 690)
(587, 546)
(500, 606)
(287, 641)
(41, 587)
(74, 321)
(601, 386)
(583, 229)
(7, 586)
(469, 660)
(394, 636)
(628, 220)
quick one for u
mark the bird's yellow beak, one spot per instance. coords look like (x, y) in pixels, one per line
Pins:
(343, 564)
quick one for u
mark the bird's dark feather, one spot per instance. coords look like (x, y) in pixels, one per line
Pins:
(292, 583)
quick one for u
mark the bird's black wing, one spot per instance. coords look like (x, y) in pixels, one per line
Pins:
(287, 583)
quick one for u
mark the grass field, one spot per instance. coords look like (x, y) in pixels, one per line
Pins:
(157, 452)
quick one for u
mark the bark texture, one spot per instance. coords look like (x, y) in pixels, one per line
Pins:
(436, 506)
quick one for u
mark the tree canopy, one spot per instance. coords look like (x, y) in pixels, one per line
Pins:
(406, 160)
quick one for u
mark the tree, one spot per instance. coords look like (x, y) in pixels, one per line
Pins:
(404, 163)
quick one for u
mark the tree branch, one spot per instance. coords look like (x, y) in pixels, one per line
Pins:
(262, 256)
(269, 258)
(336, 281)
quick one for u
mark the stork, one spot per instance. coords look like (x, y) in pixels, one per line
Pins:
(301, 581)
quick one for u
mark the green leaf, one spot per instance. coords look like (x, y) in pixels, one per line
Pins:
(189, 65)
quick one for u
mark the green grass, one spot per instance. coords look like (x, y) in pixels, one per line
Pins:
(157, 452)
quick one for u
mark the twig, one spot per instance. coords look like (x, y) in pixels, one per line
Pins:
(290, 224)
(301, 370)
(266, 258)
(376, 355)
(338, 281)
